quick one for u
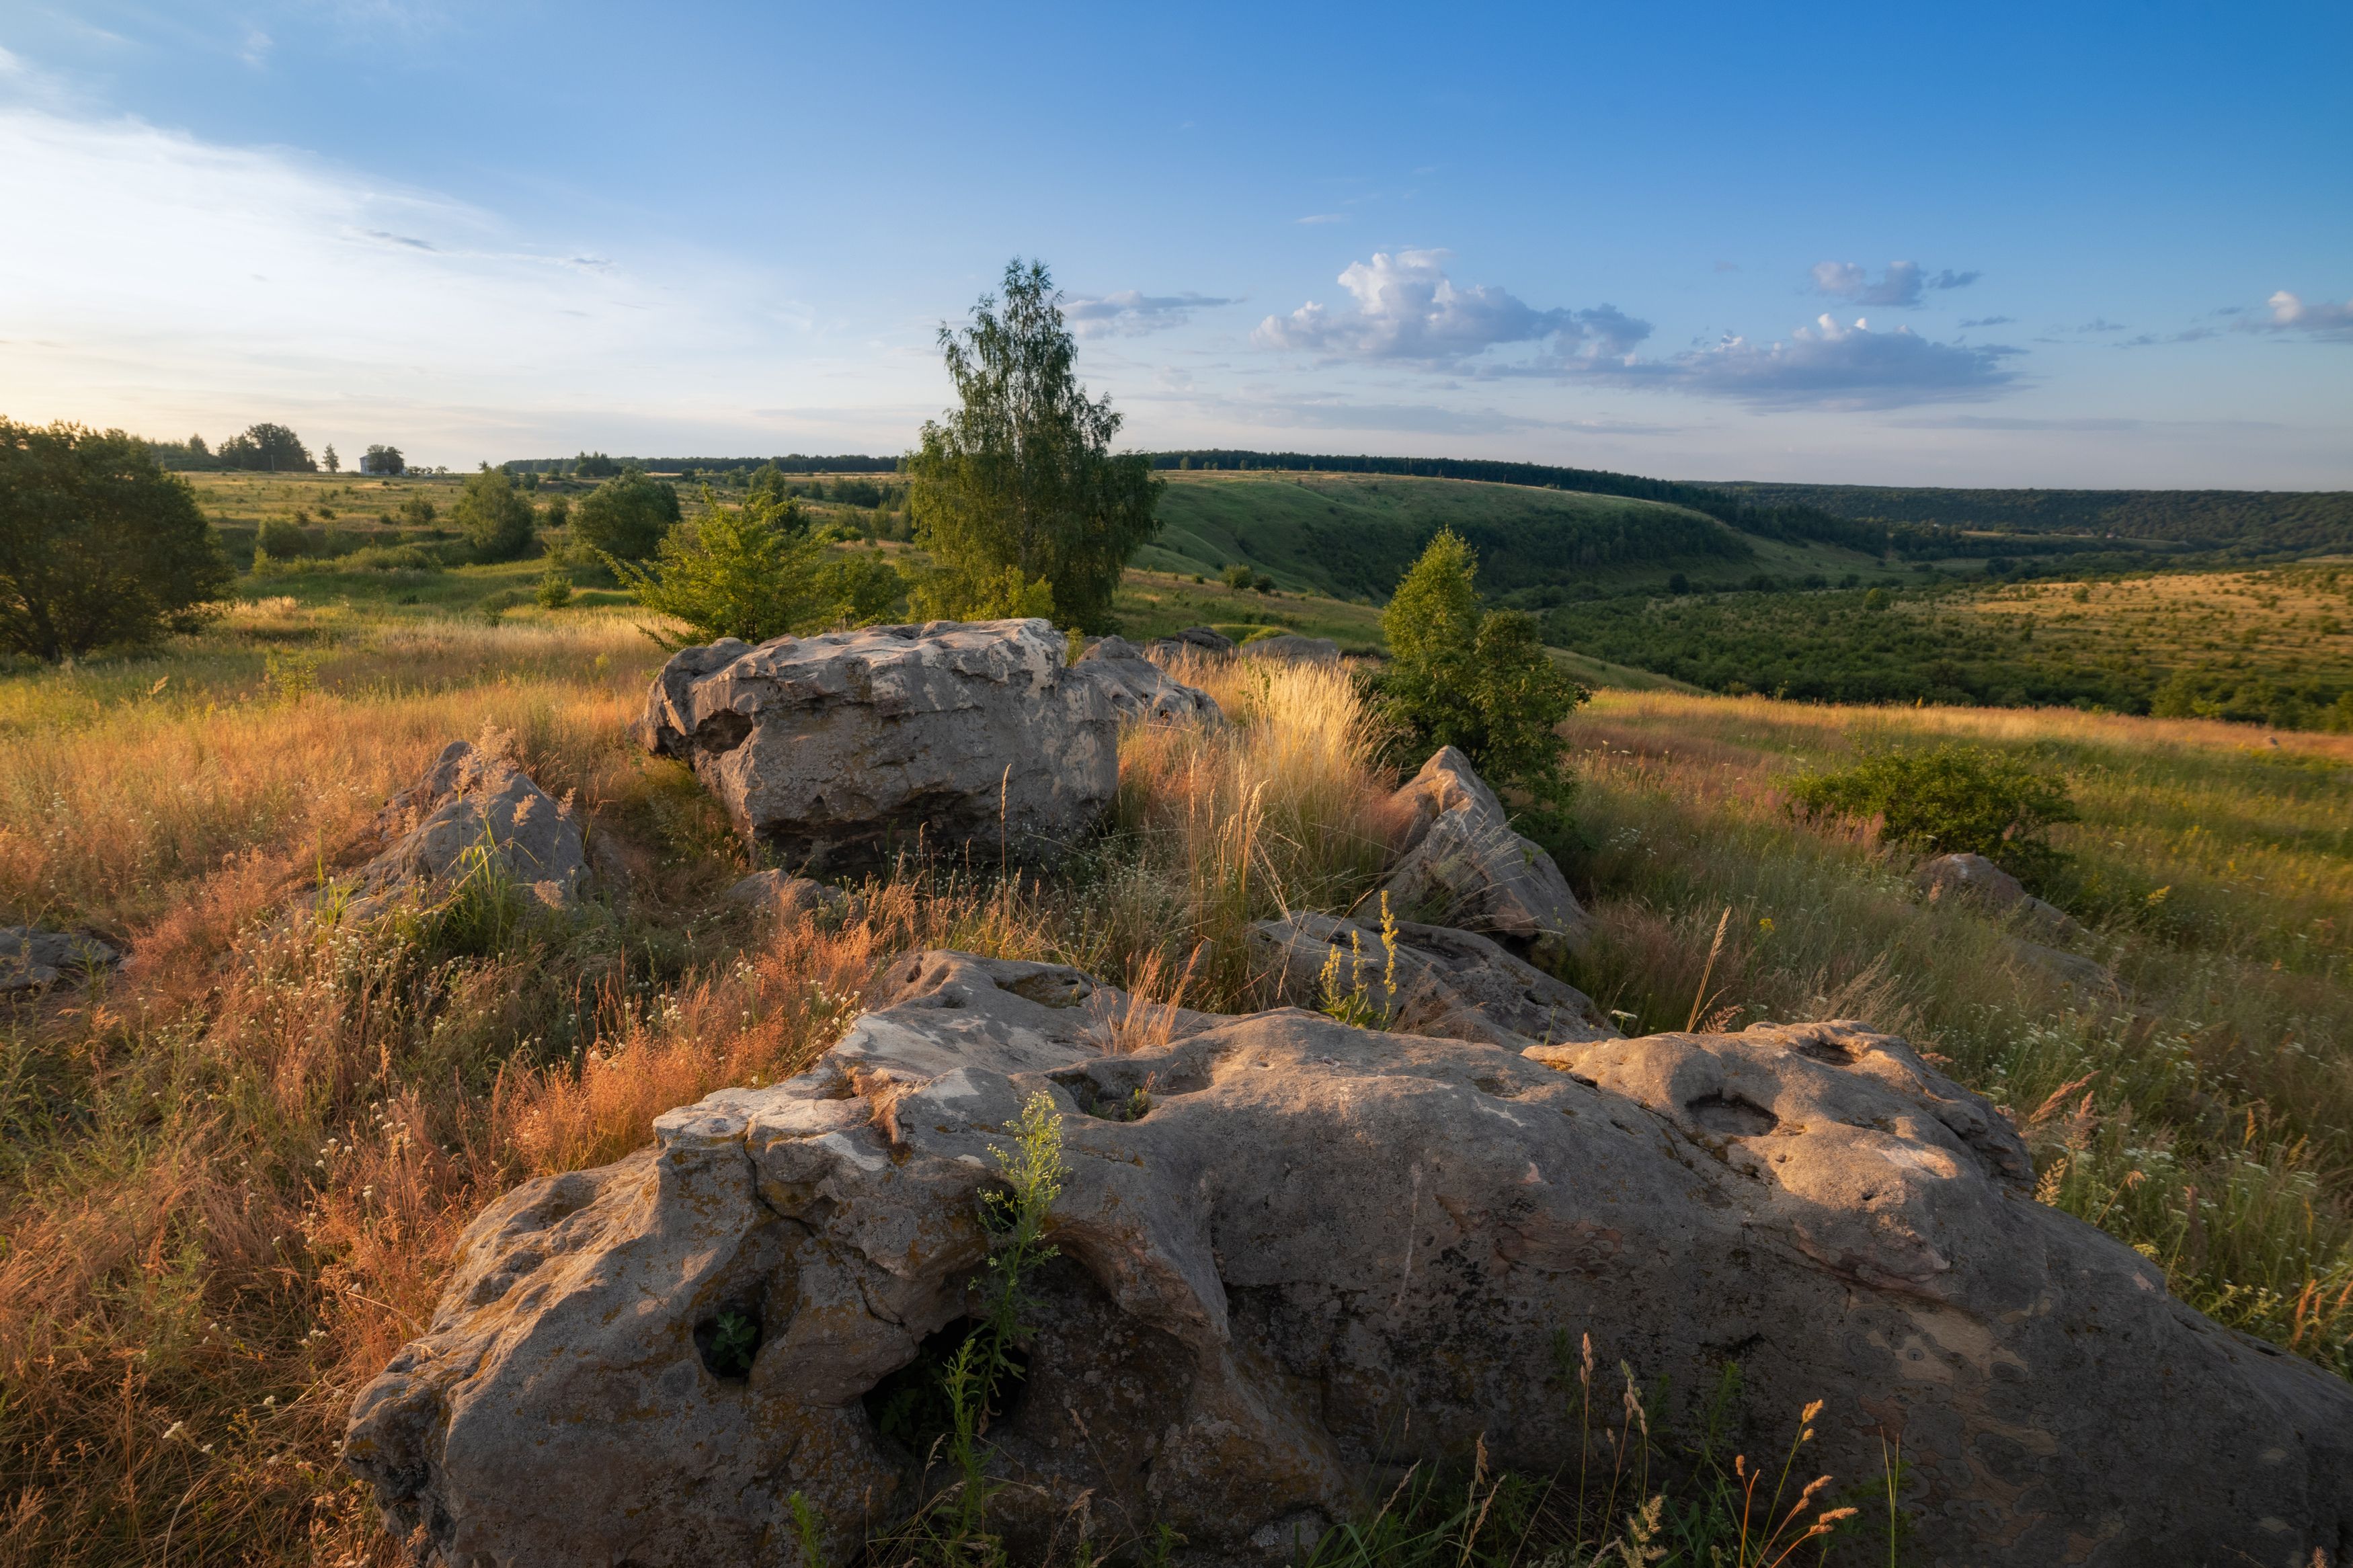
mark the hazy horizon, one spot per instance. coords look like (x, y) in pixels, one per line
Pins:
(2108, 249)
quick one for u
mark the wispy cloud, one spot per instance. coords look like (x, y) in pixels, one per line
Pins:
(1830, 365)
(1406, 308)
(1900, 285)
(2290, 313)
(1323, 217)
(2102, 325)
(1130, 313)
(1991, 321)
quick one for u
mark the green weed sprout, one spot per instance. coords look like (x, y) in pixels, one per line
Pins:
(1346, 996)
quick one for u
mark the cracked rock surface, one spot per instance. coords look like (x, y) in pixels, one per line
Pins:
(1304, 1255)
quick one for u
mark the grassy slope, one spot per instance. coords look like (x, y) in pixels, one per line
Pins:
(1351, 536)
(231, 1179)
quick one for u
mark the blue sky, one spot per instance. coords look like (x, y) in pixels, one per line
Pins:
(2076, 245)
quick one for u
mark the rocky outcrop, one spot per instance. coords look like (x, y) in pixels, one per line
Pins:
(779, 896)
(475, 809)
(1141, 689)
(1975, 879)
(1460, 864)
(1279, 1236)
(1426, 980)
(835, 752)
(1289, 647)
(33, 959)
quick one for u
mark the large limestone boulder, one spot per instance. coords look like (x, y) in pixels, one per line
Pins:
(1455, 984)
(1141, 689)
(1460, 864)
(834, 752)
(1278, 1237)
(34, 958)
(474, 807)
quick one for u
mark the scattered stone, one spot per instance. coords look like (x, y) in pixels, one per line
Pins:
(780, 896)
(1980, 880)
(33, 959)
(1454, 984)
(1206, 640)
(1142, 689)
(1295, 1235)
(2059, 964)
(834, 752)
(1460, 864)
(1289, 647)
(471, 801)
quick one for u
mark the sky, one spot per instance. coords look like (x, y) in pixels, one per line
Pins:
(2081, 245)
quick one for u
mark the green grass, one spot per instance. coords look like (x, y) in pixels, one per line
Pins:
(1351, 536)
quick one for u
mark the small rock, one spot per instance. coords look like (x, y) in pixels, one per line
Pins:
(1450, 984)
(1141, 688)
(780, 896)
(1461, 865)
(1289, 647)
(2058, 962)
(471, 800)
(33, 959)
(1978, 880)
(1206, 640)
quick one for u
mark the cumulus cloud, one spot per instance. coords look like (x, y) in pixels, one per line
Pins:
(1405, 308)
(2290, 313)
(1832, 365)
(1900, 285)
(1129, 313)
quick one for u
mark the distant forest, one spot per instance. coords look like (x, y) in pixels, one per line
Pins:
(2236, 522)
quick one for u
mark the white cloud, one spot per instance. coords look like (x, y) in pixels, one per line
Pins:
(1130, 313)
(1406, 308)
(2290, 314)
(1323, 217)
(1901, 284)
(158, 281)
(1828, 366)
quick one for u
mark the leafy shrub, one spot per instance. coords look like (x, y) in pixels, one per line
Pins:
(496, 521)
(97, 544)
(629, 515)
(282, 538)
(1952, 800)
(554, 590)
(755, 573)
(1480, 682)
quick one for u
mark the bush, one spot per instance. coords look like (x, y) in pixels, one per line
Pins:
(627, 516)
(97, 544)
(417, 512)
(1480, 682)
(495, 520)
(281, 538)
(1952, 800)
(755, 573)
(554, 590)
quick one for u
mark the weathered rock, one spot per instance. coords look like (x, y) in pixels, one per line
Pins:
(1199, 641)
(835, 750)
(1460, 864)
(780, 896)
(2059, 964)
(33, 959)
(1289, 647)
(1980, 881)
(473, 804)
(1143, 690)
(1310, 1231)
(1454, 984)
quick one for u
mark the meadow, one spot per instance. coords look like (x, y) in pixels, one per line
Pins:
(232, 1174)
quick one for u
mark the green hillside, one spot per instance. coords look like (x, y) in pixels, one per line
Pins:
(2237, 523)
(1351, 536)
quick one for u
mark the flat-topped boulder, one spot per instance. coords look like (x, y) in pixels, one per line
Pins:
(1296, 1257)
(834, 752)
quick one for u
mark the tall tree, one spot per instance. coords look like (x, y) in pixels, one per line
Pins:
(495, 520)
(379, 459)
(334, 464)
(273, 447)
(1017, 486)
(97, 544)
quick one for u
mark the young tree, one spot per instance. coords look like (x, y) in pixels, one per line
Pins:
(627, 516)
(417, 512)
(1480, 681)
(756, 571)
(495, 521)
(334, 465)
(98, 544)
(1018, 485)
